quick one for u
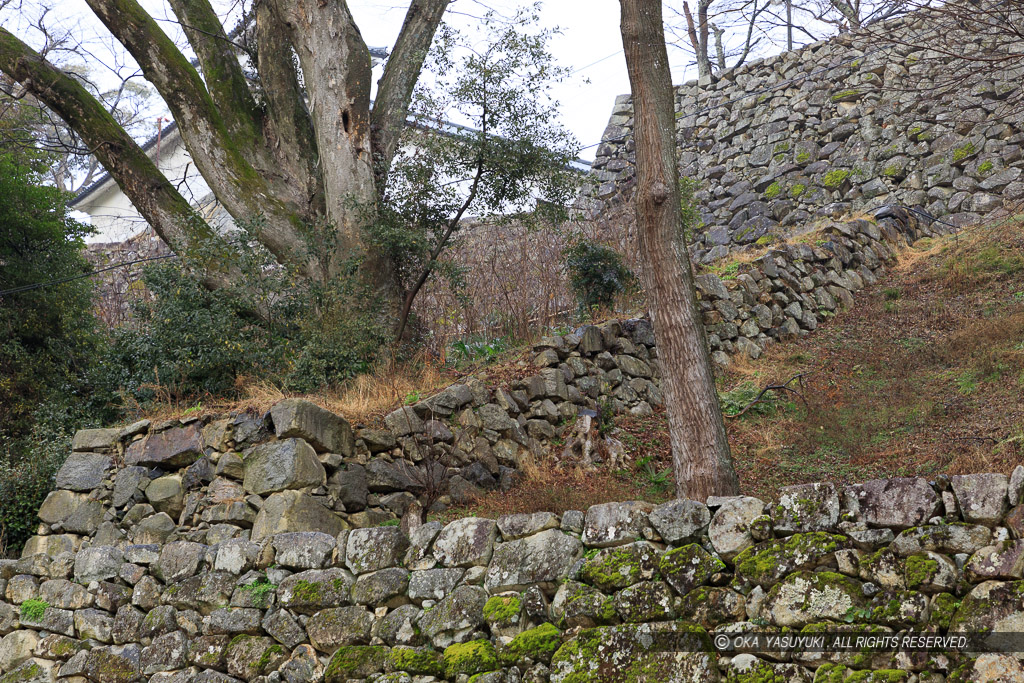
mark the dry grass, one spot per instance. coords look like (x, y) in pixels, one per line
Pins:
(925, 376)
(364, 400)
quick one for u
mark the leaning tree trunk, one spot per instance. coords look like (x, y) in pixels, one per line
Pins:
(702, 463)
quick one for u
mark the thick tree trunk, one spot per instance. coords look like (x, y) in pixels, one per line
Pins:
(702, 463)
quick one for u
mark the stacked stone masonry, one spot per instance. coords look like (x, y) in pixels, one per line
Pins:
(850, 124)
(265, 588)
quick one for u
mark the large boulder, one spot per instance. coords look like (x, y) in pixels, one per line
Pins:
(806, 507)
(806, 597)
(613, 569)
(83, 471)
(375, 548)
(543, 560)
(611, 524)
(295, 511)
(322, 429)
(981, 498)
(167, 494)
(59, 505)
(669, 652)
(456, 617)
(897, 503)
(170, 449)
(466, 542)
(680, 520)
(281, 465)
(730, 529)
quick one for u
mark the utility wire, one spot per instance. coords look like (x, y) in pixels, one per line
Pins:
(39, 285)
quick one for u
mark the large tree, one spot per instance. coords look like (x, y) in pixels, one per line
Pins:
(291, 146)
(702, 463)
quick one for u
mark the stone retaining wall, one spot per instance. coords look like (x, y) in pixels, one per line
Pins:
(619, 592)
(838, 126)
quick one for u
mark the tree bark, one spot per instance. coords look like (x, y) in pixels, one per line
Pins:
(215, 151)
(149, 190)
(702, 463)
(394, 89)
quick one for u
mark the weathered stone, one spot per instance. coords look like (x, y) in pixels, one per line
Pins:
(981, 497)
(612, 569)
(384, 588)
(667, 652)
(154, 529)
(712, 606)
(806, 507)
(466, 542)
(310, 591)
(454, 618)
(521, 525)
(730, 528)
(166, 653)
(169, 449)
(951, 539)
(251, 656)
(287, 511)
(97, 564)
(688, 567)
(679, 521)
(59, 505)
(897, 503)
(807, 597)
(369, 550)
(83, 471)
(766, 563)
(611, 524)
(329, 629)
(542, 559)
(100, 440)
(321, 429)
(1004, 561)
(167, 494)
(403, 422)
(350, 486)
(304, 549)
(280, 625)
(281, 465)
(433, 584)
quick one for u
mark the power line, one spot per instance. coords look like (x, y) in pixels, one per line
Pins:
(39, 285)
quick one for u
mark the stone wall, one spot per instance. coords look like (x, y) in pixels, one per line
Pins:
(619, 592)
(838, 126)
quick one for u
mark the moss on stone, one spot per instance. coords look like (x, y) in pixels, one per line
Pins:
(843, 94)
(355, 661)
(985, 168)
(766, 563)
(963, 151)
(833, 179)
(538, 644)
(943, 607)
(268, 653)
(476, 656)
(920, 570)
(773, 191)
(415, 661)
(307, 591)
(502, 609)
(797, 190)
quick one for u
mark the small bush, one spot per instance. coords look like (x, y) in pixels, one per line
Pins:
(597, 274)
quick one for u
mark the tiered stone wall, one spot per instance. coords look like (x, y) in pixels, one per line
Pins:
(838, 126)
(619, 592)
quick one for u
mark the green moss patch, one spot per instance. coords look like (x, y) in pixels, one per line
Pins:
(502, 609)
(33, 609)
(476, 656)
(538, 644)
(355, 661)
(415, 661)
